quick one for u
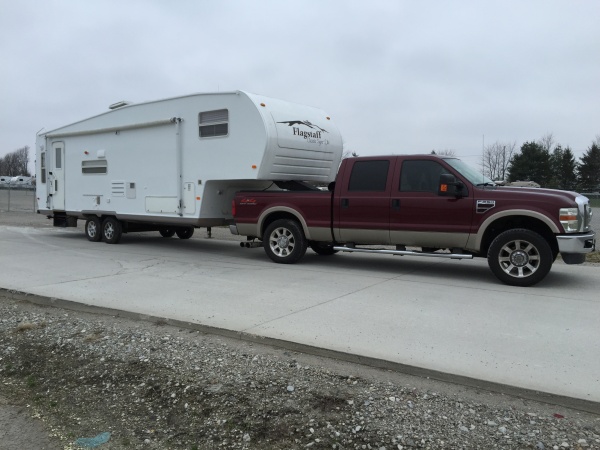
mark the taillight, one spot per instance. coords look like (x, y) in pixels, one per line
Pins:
(233, 208)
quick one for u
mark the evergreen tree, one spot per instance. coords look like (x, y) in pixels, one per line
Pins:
(589, 169)
(563, 169)
(531, 164)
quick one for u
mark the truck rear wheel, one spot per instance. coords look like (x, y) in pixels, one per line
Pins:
(284, 241)
(520, 257)
(167, 233)
(111, 230)
(93, 229)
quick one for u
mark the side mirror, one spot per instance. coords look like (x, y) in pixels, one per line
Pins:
(448, 186)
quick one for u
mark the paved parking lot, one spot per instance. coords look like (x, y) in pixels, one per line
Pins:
(451, 317)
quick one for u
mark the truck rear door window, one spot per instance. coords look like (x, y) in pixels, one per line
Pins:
(214, 123)
(369, 176)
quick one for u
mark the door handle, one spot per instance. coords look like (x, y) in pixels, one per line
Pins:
(345, 203)
(395, 203)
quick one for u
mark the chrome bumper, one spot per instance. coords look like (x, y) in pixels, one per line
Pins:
(233, 229)
(574, 247)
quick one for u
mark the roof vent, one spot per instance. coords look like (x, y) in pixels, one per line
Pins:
(119, 104)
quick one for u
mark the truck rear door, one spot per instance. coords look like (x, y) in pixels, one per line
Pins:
(362, 201)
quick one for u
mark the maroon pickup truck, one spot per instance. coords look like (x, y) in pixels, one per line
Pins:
(421, 205)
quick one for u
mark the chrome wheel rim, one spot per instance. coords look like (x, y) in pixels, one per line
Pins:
(282, 242)
(92, 229)
(109, 231)
(519, 259)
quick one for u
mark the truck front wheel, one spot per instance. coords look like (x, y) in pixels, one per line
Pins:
(520, 257)
(284, 241)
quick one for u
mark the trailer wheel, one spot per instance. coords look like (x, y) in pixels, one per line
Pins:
(284, 241)
(185, 233)
(520, 257)
(322, 248)
(93, 229)
(167, 233)
(111, 230)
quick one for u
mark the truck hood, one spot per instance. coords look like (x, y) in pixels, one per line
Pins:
(507, 192)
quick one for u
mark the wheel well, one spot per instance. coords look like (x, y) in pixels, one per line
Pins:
(277, 216)
(509, 223)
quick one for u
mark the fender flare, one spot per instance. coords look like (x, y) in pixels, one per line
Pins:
(286, 209)
(474, 242)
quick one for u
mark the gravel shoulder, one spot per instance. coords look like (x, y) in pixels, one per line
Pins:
(70, 374)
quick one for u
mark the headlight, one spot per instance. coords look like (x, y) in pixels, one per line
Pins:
(569, 219)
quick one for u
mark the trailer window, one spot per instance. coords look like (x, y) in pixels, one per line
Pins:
(94, 166)
(369, 176)
(214, 123)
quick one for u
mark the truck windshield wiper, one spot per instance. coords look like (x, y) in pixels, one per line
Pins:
(487, 183)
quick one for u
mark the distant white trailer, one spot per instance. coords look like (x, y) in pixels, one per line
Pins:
(20, 180)
(4, 180)
(173, 165)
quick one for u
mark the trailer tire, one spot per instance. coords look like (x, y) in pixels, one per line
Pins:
(93, 229)
(112, 230)
(520, 257)
(322, 248)
(284, 241)
(169, 232)
(185, 233)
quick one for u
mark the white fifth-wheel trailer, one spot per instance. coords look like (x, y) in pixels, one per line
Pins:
(174, 165)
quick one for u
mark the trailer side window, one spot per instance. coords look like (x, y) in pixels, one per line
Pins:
(94, 166)
(214, 123)
(369, 176)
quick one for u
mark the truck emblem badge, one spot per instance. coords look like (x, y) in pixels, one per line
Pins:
(484, 206)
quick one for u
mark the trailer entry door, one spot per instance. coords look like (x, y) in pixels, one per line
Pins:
(57, 189)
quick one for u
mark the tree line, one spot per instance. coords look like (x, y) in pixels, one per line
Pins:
(15, 163)
(544, 162)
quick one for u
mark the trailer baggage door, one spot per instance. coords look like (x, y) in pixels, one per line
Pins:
(56, 181)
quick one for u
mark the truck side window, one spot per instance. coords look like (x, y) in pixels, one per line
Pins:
(369, 176)
(214, 123)
(420, 176)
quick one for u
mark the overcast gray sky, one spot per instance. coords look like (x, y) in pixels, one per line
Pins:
(396, 76)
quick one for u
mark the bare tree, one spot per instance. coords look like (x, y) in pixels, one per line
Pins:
(547, 142)
(496, 159)
(15, 163)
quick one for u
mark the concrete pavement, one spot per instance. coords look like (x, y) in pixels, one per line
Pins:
(445, 316)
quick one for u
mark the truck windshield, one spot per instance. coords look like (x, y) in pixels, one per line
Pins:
(471, 174)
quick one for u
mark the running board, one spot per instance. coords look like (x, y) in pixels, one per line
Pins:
(404, 253)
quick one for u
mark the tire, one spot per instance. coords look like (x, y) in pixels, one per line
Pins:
(322, 249)
(93, 229)
(520, 257)
(111, 230)
(185, 233)
(167, 233)
(284, 241)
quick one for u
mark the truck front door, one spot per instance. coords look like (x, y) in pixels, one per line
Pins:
(362, 204)
(419, 217)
